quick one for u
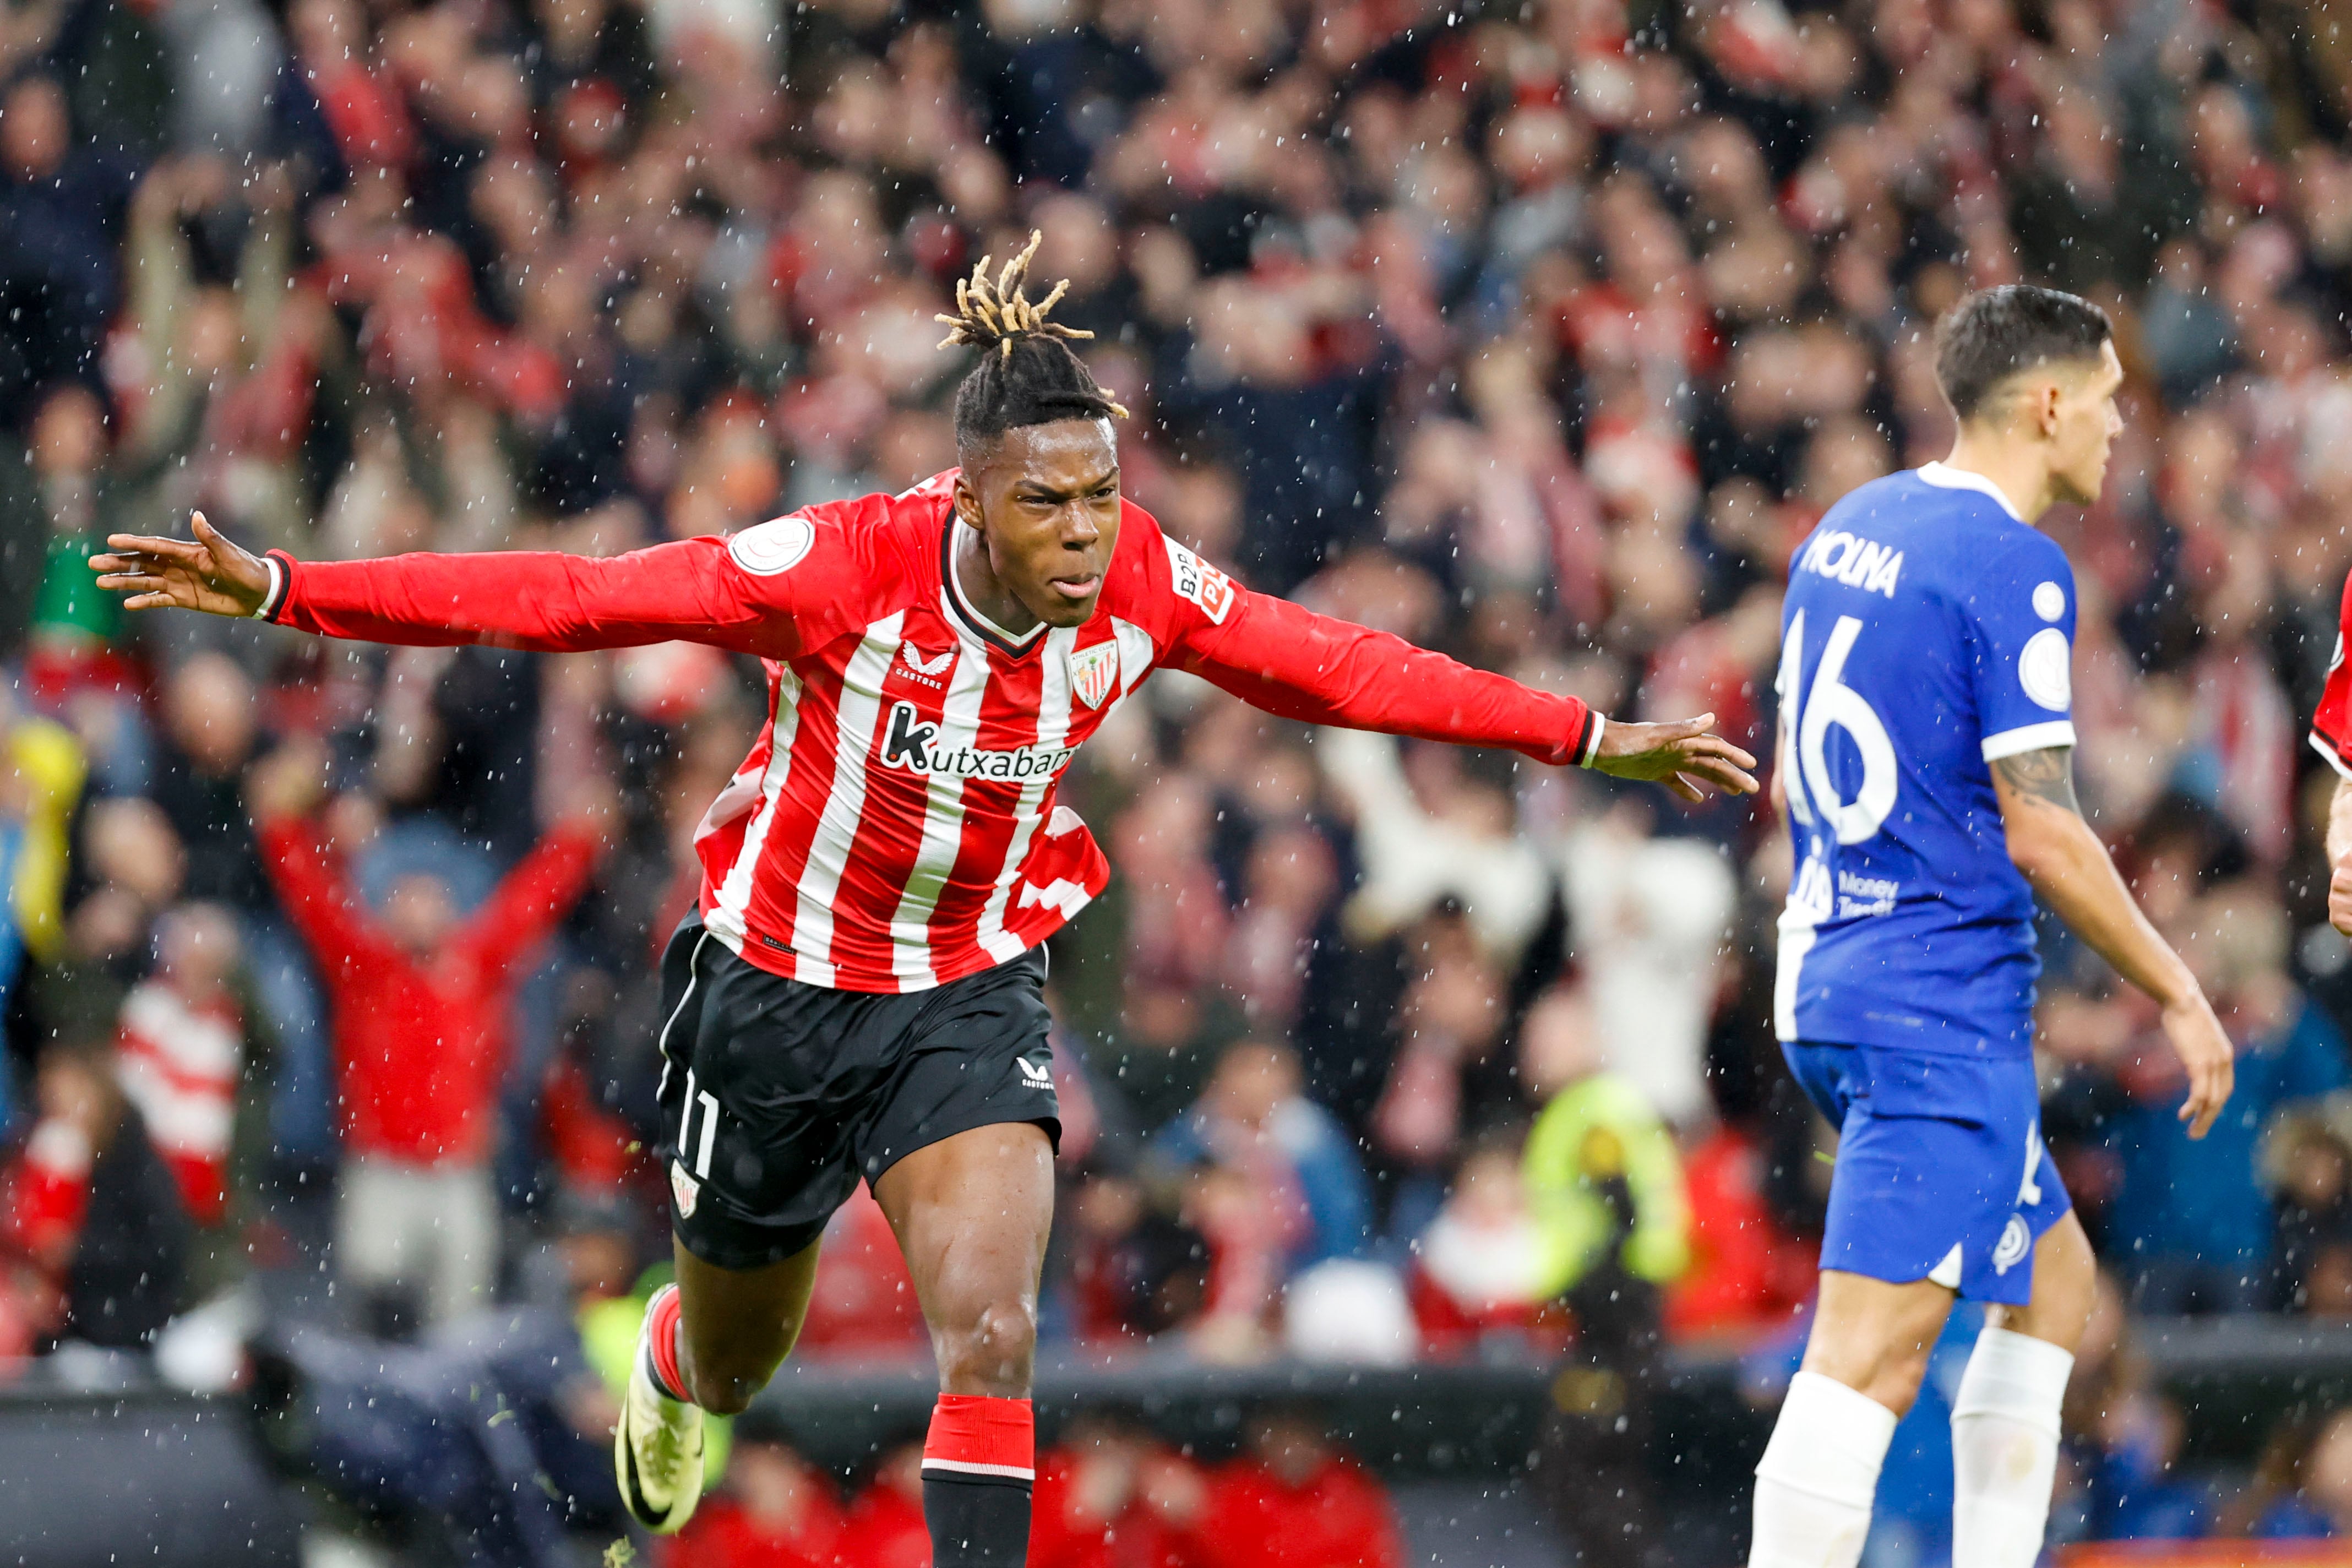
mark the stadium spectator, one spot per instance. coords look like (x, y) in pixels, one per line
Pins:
(2123, 1438)
(41, 773)
(2307, 1164)
(132, 867)
(1446, 1068)
(2302, 1486)
(1429, 834)
(210, 733)
(1648, 915)
(1595, 1131)
(1292, 1499)
(2189, 1217)
(1254, 1119)
(776, 1509)
(863, 1305)
(61, 197)
(420, 996)
(488, 1443)
(1478, 1270)
(1109, 1495)
(183, 1059)
(95, 1210)
(1137, 1267)
(1748, 1270)
(72, 628)
(885, 1523)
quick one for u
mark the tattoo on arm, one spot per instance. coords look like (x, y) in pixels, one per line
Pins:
(2047, 775)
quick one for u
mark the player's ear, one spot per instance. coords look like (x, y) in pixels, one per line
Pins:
(2047, 395)
(967, 500)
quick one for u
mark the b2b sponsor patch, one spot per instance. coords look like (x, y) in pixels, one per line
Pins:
(1203, 583)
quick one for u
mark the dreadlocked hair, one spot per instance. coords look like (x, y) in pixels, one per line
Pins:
(1027, 374)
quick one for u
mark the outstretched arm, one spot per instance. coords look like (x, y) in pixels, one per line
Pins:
(533, 899)
(691, 591)
(1291, 662)
(2066, 864)
(285, 790)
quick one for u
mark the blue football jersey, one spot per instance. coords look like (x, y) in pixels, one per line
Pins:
(1927, 632)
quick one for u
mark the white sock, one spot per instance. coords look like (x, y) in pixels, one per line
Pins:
(2005, 1448)
(1819, 1476)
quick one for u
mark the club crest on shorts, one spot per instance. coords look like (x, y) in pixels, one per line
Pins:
(2015, 1242)
(1093, 672)
(685, 1189)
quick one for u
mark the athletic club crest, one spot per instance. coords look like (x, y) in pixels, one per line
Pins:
(1093, 672)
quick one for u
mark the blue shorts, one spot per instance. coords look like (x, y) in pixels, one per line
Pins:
(1940, 1171)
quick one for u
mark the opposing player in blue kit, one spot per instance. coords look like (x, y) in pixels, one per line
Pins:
(1925, 769)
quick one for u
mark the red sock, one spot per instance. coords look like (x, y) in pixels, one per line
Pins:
(661, 1341)
(979, 1465)
(981, 1436)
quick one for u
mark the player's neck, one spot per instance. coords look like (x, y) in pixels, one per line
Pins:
(2021, 473)
(977, 581)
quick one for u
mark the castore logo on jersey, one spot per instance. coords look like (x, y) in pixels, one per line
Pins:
(926, 669)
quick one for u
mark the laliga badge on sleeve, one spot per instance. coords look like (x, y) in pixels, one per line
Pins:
(778, 545)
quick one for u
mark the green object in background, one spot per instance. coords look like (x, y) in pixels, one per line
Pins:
(1595, 1129)
(69, 599)
(608, 1335)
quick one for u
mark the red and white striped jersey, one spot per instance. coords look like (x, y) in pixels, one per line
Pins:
(2331, 725)
(895, 825)
(178, 1062)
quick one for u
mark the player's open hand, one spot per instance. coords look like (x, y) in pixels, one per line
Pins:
(207, 572)
(1685, 756)
(2205, 1050)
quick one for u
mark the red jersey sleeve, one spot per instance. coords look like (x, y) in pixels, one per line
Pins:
(2331, 726)
(317, 900)
(776, 589)
(1291, 662)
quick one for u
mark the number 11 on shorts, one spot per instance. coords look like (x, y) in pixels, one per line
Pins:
(710, 1104)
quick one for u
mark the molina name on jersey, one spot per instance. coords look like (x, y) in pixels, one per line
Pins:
(1927, 634)
(895, 825)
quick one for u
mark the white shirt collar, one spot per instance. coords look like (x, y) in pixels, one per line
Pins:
(1951, 478)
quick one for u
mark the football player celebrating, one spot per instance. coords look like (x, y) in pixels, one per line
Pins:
(859, 993)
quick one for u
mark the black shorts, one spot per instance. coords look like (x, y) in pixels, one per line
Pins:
(779, 1095)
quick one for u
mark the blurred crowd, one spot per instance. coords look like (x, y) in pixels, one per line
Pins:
(1537, 331)
(1108, 1495)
